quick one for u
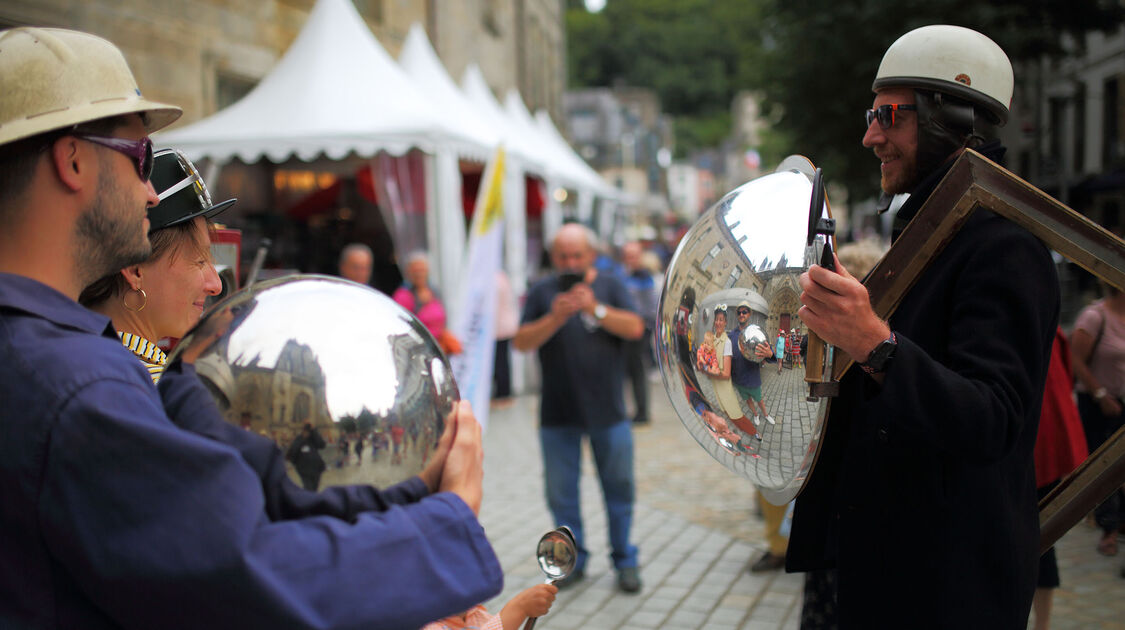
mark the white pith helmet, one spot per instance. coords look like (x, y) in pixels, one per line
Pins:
(953, 60)
(53, 78)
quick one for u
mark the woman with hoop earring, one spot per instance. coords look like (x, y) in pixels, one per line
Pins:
(164, 296)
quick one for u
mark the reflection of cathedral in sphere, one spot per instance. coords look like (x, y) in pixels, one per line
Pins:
(341, 357)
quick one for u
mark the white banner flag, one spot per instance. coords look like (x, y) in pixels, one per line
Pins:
(475, 320)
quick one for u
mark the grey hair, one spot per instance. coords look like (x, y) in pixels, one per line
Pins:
(353, 248)
(414, 256)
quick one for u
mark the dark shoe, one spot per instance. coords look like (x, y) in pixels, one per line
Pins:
(629, 580)
(570, 580)
(1107, 546)
(768, 562)
(640, 420)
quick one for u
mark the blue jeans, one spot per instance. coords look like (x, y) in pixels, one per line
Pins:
(613, 455)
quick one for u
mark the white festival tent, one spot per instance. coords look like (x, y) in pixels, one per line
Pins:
(336, 92)
(565, 168)
(422, 64)
(526, 152)
(611, 198)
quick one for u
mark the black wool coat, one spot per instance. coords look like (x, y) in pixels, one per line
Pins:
(923, 497)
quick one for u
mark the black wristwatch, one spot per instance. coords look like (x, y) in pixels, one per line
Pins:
(880, 357)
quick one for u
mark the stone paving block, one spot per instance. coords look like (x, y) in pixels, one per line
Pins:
(738, 600)
(661, 605)
(773, 598)
(767, 611)
(647, 618)
(724, 615)
(757, 624)
(699, 602)
(685, 619)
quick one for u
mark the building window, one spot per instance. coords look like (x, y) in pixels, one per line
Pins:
(490, 17)
(1079, 127)
(371, 9)
(710, 257)
(1057, 113)
(1113, 142)
(735, 274)
(230, 88)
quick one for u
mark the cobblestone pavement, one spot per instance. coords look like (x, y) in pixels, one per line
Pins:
(697, 532)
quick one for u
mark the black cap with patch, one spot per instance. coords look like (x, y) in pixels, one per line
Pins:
(183, 195)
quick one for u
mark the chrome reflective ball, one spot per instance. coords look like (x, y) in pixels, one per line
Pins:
(748, 340)
(749, 249)
(346, 361)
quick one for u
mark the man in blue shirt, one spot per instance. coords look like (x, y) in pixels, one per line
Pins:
(746, 375)
(579, 321)
(128, 508)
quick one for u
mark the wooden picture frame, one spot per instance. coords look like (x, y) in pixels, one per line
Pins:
(975, 182)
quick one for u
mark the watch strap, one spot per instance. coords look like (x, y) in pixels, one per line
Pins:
(881, 356)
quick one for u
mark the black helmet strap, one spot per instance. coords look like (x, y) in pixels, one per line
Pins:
(947, 124)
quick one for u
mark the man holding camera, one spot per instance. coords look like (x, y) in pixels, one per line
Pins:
(579, 321)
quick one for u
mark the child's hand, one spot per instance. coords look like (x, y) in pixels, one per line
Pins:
(537, 600)
(532, 602)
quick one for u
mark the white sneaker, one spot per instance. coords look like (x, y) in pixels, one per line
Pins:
(770, 420)
(757, 420)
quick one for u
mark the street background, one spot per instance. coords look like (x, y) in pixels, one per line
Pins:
(698, 533)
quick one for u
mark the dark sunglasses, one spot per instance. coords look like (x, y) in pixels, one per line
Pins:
(885, 114)
(743, 311)
(140, 151)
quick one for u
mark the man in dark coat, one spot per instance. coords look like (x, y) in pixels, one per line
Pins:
(304, 452)
(922, 509)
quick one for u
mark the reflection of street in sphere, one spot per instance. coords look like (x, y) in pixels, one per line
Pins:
(339, 356)
(748, 250)
(749, 339)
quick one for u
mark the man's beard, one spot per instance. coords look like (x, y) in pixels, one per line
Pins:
(107, 240)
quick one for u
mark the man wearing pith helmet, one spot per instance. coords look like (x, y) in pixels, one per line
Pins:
(922, 511)
(121, 507)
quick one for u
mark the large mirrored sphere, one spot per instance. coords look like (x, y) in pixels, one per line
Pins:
(365, 377)
(748, 249)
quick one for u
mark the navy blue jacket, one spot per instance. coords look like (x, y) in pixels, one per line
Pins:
(115, 516)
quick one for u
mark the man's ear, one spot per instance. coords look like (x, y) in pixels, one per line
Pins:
(70, 163)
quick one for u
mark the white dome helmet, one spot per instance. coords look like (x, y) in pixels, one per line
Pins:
(953, 60)
(54, 78)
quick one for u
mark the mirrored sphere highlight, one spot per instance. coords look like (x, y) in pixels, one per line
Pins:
(746, 252)
(342, 358)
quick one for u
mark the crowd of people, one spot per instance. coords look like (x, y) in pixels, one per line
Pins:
(127, 495)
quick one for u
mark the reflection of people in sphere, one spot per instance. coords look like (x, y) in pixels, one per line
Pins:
(746, 374)
(779, 352)
(304, 453)
(720, 375)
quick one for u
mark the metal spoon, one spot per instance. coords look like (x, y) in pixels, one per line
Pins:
(557, 554)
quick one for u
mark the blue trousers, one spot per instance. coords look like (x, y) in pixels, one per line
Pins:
(613, 455)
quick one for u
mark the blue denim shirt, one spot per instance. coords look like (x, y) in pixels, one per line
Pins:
(119, 514)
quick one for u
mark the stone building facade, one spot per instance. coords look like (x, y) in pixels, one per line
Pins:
(206, 54)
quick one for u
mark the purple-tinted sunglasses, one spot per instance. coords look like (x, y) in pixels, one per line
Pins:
(140, 151)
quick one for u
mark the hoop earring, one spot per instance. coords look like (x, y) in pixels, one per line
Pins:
(144, 302)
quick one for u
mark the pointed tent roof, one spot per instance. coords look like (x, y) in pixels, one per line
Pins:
(423, 65)
(551, 132)
(335, 91)
(563, 163)
(515, 141)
